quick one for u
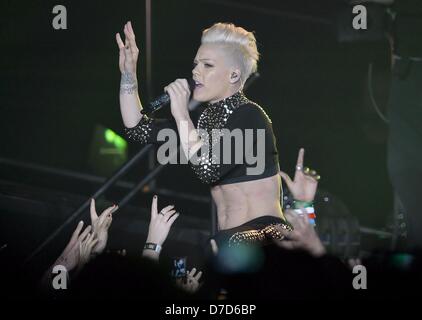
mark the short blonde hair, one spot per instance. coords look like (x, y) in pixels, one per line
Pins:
(242, 42)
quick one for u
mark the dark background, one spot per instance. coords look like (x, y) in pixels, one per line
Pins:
(57, 85)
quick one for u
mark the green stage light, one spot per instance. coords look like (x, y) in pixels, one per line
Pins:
(120, 143)
(109, 135)
(108, 151)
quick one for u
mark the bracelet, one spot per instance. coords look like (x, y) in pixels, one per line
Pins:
(152, 246)
(309, 211)
(304, 210)
(297, 204)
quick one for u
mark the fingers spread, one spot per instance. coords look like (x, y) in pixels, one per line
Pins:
(131, 39)
(286, 178)
(128, 31)
(120, 43)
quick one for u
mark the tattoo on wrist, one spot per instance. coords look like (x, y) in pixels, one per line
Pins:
(128, 83)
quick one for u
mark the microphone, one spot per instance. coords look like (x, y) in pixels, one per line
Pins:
(162, 100)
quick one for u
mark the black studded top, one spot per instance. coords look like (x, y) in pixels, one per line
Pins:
(238, 141)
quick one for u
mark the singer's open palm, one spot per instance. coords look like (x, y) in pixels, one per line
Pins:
(128, 51)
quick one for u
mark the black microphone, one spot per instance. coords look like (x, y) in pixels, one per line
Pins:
(162, 100)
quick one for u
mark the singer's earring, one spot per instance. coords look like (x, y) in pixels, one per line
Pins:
(234, 77)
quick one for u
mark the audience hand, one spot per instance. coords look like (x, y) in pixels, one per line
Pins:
(71, 254)
(191, 283)
(303, 236)
(100, 226)
(305, 183)
(160, 223)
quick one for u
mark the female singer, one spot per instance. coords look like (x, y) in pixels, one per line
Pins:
(247, 194)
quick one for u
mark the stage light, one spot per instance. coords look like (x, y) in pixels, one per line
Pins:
(108, 151)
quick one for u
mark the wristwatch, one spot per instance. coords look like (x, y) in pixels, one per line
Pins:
(152, 246)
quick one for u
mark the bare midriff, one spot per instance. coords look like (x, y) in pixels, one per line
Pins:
(241, 202)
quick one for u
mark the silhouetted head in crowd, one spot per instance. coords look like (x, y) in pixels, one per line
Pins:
(113, 276)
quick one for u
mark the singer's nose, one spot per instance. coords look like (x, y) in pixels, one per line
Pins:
(195, 71)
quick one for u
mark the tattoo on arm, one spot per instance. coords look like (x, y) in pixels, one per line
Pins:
(128, 84)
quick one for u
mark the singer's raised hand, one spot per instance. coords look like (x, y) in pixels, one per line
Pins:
(130, 104)
(128, 51)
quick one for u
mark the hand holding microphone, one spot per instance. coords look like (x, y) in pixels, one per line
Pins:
(177, 93)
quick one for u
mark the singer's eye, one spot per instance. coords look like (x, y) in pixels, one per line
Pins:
(194, 65)
(207, 65)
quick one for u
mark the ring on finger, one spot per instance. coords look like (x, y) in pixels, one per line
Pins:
(309, 172)
(313, 174)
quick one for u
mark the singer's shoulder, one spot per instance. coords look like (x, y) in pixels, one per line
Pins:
(251, 110)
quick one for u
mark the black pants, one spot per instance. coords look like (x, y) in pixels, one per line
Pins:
(222, 237)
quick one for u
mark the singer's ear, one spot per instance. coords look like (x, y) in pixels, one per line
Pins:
(234, 76)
